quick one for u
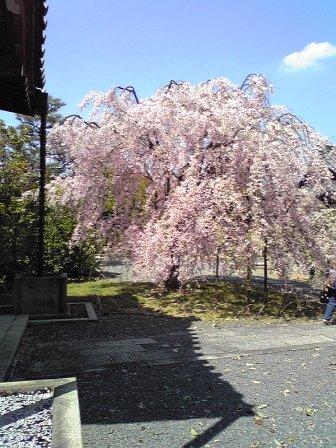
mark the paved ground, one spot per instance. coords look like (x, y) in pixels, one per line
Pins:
(152, 382)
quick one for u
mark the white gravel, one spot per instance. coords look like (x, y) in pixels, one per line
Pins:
(26, 419)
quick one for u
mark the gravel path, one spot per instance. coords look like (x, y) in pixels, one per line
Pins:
(26, 420)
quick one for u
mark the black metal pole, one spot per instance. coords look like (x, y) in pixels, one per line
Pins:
(43, 110)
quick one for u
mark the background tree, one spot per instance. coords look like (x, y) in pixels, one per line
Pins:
(30, 126)
(19, 174)
(18, 213)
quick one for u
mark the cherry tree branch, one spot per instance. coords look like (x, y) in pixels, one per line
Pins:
(130, 89)
(91, 124)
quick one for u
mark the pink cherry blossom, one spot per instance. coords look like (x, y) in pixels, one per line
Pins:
(195, 168)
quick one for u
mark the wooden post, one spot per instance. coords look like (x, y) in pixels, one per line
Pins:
(248, 282)
(217, 267)
(167, 186)
(43, 111)
(265, 272)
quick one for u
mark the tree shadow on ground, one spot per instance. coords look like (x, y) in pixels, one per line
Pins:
(163, 377)
(169, 392)
(175, 382)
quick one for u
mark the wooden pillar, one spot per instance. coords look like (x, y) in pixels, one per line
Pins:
(43, 111)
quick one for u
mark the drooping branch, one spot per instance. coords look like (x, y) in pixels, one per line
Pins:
(173, 83)
(130, 89)
(288, 118)
(91, 124)
(246, 83)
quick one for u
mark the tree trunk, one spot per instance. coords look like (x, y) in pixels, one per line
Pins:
(173, 283)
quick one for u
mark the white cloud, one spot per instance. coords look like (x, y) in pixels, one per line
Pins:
(309, 56)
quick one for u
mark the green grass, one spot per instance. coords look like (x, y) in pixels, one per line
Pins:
(205, 302)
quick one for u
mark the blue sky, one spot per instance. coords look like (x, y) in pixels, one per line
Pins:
(145, 43)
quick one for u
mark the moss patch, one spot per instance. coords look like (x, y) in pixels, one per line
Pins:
(205, 301)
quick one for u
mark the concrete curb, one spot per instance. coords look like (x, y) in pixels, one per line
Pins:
(66, 423)
(11, 342)
(89, 311)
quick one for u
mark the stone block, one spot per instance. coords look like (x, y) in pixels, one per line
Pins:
(145, 357)
(98, 360)
(106, 349)
(41, 295)
(6, 299)
(126, 342)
